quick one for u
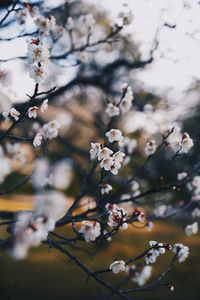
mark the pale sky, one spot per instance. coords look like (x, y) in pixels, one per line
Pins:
(177, 60)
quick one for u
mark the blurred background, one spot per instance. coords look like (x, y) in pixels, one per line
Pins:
(158, 55)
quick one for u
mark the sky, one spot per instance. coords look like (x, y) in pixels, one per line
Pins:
(177, 60)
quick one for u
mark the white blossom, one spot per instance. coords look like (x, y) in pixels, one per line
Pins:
(125, 15)
(37, 52)
(51, 129)
(107, 163)
(104, 153)
(150, 147)
(116, 217)
(32, 112)
(61, 175)
(70, 23)
(187, 143)
(44, 105)
(114, 135)
(138, 274)
(106, 188)
(181, 251)
(196, 213)
(37, 141)
(118, 159)
(45, 24)
(94, 150)
(118, 266)
(192, 229)
(12, 112)
(38, 74)
(90, 230)
(179, 142)
(126, 103)
(112, 110)
(157, 249)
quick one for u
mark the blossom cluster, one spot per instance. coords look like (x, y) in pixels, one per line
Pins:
(179, 142)
(109, 160)
(31, 228)
(38, 57)
(57, 175)
(48, 131)
(122, 106)
(140, 275)
(116, 216)
(157, 249)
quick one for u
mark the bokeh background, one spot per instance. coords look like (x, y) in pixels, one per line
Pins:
(166, 90)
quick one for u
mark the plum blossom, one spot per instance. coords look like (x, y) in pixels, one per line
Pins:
(116, 217)
(192, 229)
(125, 16)
(37, 141)
(107, 163)
(114, 135)
(38, 52)
(181, 251)
(70, 23)
(112, 110)
(150, 147)
(139, 274)
(28, 232)
(61, 175)
(31, 228)
(40, 176)
(44, 105)
(187, 143)
(140, 215)
(51, 129)
(179, 142)
(32, 112)
(104, 153)
(196, 213)
(51, 204)
(90, 230)
(94, 150)
(118, 159)
(45, 24)
(12, 112)
(17, 152)
(38, 74)
(157, 249)
(106, 188)
(161, 210)
(126, 103)
(135, 188)
(118, 266)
